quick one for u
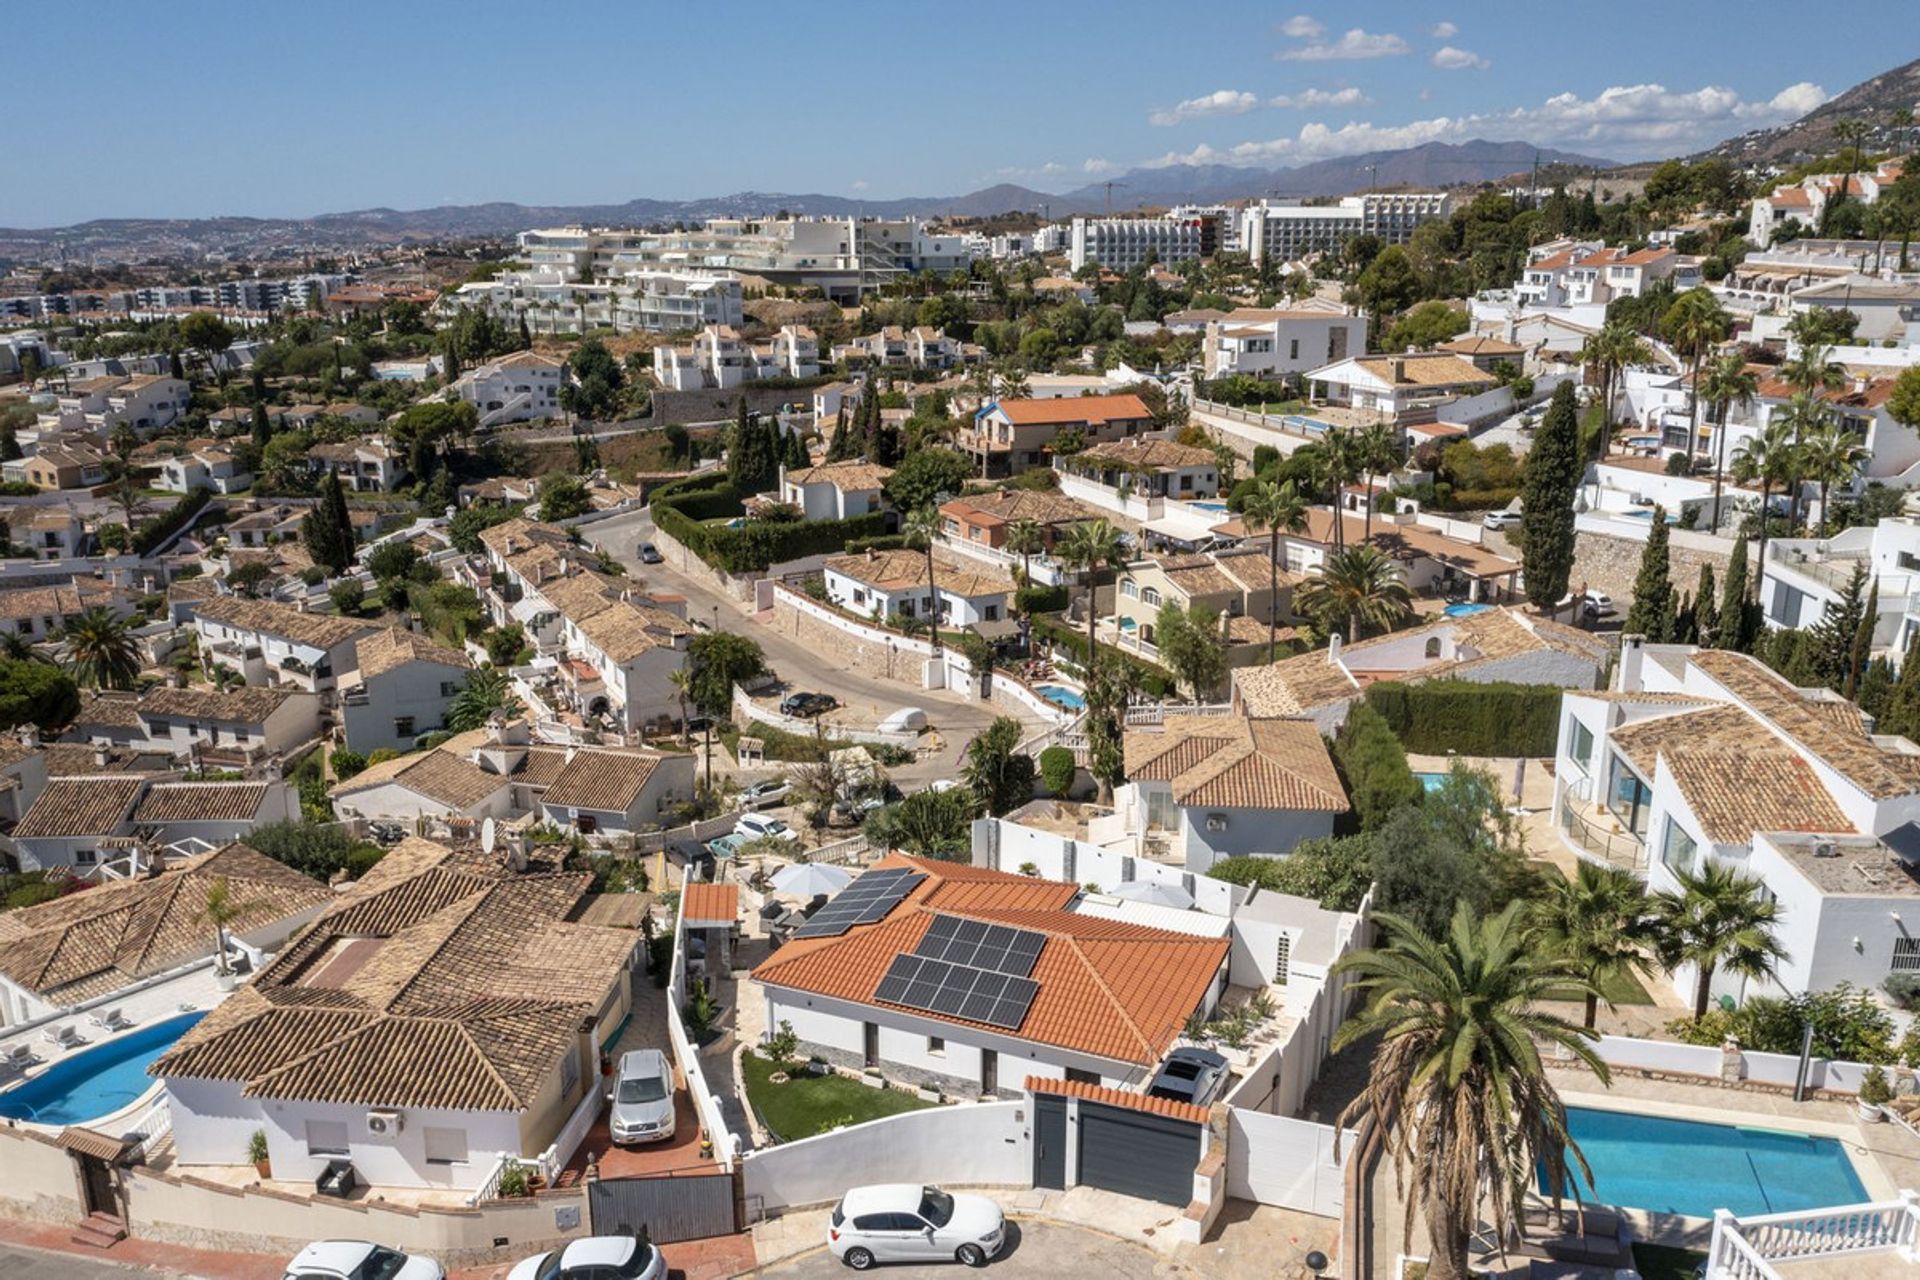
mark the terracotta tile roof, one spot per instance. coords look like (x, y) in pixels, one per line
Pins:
(1237, 763)
(1293, 686)
(319, 630)
(100, 939)
(1791, 198)
(1829, 728)
(441, 776)
(1482, 345)
(1005, 506)
(1108, 988)
(1138, 451)
(710, 903)
(903, 569)
(248, 704)
(608, 781)
(75, 759)
(1067, 410)
(49, 602)
(1424, 369)
(510, 537)
(200, 802)
(453, 983)
(542, 766)
(80, 807)
(623, 630)
(106, 709)
(1118, 1098)
(383, 651)
(1876, 392)
(843, 475)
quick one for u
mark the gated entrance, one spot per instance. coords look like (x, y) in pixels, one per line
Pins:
(669, 1209)
(1137, 1153)
(1050, 1142)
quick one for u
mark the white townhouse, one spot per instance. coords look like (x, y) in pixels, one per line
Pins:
(52, 533)
(1213, 787)
(146, 402)
(1403, 388)
(720, 358)
(522, 387)
(435, 1032)
(617, 792)
(202, 727)
(1698, 754)
(886, 583)
(621, 656)
(364, 466)
(1802, 576)
(1806, 202)
(1277, 344)
(276, 644)
(37, 613)
(217, 467)
(400, 686)
(83, 820)
(835, 490)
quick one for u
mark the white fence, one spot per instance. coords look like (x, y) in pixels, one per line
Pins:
(1746, 1248)
(1776, 1069)
(976, 1144)
(748, 709)
(1281, 1161)
(713, 1121)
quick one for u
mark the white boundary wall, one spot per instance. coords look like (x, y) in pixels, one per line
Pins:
(976, 1144)
(1281, 1161)
(1007, 846)
(1775, 1069)
(705, 1105)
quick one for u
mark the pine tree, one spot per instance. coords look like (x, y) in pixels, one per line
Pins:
(1829, 643)
(1706, 609)
(174, 366)
(1876, 687)
(262, 427)
(1731, 630)
(1903, 703)
(526, 334)
(1861, 654)
(1549, 487)
(1652, 612)
(328, 528)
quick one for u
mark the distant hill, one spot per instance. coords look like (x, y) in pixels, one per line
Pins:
(1872, 102)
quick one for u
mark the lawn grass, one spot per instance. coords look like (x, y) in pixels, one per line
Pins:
(807, 1105)
(1664, 1262)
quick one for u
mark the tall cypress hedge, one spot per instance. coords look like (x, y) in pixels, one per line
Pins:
(1472, 719)
(679, 507)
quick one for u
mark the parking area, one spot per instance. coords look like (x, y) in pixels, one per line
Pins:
(1033, 1249)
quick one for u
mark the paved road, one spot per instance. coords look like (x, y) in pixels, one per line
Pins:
(1033, 1249)
(31, 1264)
(867, 699)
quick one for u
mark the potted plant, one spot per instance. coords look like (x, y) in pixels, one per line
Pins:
(1875, 1094)
(257, 1154)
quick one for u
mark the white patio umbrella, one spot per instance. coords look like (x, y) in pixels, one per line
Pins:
(1154, 892)
(809, 879)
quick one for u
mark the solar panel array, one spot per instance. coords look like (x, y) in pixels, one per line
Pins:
(993, 947)
(866, 901)
(957, 990)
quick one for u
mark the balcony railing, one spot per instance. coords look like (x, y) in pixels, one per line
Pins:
(1747, 1248)
(1616, 848)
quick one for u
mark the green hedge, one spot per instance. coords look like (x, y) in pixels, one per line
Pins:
(1032, 600)
(1074, 640)
(885, 542)
(679, 508)
(1472, 719)
(157, 530)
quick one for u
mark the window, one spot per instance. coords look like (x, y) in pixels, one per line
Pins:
(1580, 743)
(1628, 798)
(445, 1146)
(569, 1073)
(1129, 589)
(85, 857)
(403, 726)
(1293, 349)
(859, 596)
(1906, 955)
(1282, 959)
(1679, 849)
(1150, 596)
(448, 688)
(991, 613)
(1433, 647)
(326, 1137)
(937, 1046)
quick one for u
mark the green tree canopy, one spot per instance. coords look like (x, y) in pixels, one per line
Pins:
(36, 693)
(1548, 489)
(926, 475)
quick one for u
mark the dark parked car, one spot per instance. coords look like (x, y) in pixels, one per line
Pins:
(1190, 1075)
(807, 704)
(649, 554)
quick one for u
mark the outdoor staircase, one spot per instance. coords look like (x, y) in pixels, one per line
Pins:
(99, 1231)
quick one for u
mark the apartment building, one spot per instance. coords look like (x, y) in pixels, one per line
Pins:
(522, 387)
(275, 644)
(1287, 229)
(720, 358)
(1806, 202)
(1263, 343)
(146, 402)
(1589, 274)
(636, 301)
(1121, 244)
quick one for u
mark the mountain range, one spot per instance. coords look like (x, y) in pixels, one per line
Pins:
(1876, 103)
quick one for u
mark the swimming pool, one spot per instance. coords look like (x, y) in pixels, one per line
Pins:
(1061, 696)
(1220, 507)
(1465, 610)
(1647, 516)
(95, 1082)
(1432, 781)
(1686, 1167)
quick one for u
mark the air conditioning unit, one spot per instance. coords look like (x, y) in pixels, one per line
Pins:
(385, 1124)
(1216, 822)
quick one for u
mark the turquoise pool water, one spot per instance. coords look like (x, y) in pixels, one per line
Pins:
(1465, 610)
(94, 1082)
(1685, 1167)
(1432, 781)
(1208, 506)
(1061, 696)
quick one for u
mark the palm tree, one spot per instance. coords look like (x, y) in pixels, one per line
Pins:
(220, 912)
(1696, 323)
(1339, 463)
(1379, 450)
(1832, 456)
(1276, 508)
(922, 527)
(1766, 458)
(1612, 348)
(1805, 417)
(1358, 585)
(1026, 539)
(1457, 1081)
(682, 682)
(1716, 920)
(101, 650)
(1091, 546)
(1849, 134)
(1812, 370)
(488, 690)
(1722, 384)
(1597, 921)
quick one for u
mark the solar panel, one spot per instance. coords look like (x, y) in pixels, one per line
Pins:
(866, 901)
(975, 943)
(957, 990)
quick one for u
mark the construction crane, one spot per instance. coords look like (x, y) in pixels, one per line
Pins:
(1110, 186)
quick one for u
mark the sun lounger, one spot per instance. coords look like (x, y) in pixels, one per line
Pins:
(21, 1056)
(64, 1036)
(111, 1020)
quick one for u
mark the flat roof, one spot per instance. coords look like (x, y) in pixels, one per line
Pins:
(1861, 865)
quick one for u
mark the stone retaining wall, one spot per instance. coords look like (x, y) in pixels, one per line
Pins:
(1611, 564)
(683, 561)
(871, 658)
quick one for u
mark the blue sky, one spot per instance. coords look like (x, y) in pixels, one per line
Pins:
(222, 107)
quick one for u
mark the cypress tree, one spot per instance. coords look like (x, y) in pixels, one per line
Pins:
(1731, 631)
(740, 450)
(10, 450)
(1876, 687)
(837, 447)
(1548, 490)
(1903, 703)
(1861, 654)
(1706, 609)
(526, 334)
(1652, 612)
(1829, 643)
(262, 428)
(450, 361)
(1686, 629)
(174, 366)
(328, 529)
(259, 383)
(796, 451)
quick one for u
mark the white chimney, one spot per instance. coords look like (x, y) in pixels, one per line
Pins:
(100, 755)
(1633, 652)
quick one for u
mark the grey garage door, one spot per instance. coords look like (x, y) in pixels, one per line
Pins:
(1147, 1156)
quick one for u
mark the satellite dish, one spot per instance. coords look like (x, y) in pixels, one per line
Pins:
(488, 835)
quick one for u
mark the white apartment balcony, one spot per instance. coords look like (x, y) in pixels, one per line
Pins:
(1593, 833)
(1846, 1242)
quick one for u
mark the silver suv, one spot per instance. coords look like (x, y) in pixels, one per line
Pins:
(642, 1098)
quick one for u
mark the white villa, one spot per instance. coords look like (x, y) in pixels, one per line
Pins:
(400, 686)
(885, 583)
(1802, 576)
(1264, 343)
(522, 387)
(835, 490)
(1400, 388)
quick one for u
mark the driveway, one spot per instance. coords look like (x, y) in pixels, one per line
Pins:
(867, 700)
(1033, 1249)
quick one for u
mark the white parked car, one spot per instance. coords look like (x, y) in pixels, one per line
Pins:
(359, 1260)
(758, 826)
(595, 1258)
(1502, 519)
(904, 1222)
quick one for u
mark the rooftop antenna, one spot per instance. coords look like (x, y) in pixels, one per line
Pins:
(1110, 185)
(1373, 172)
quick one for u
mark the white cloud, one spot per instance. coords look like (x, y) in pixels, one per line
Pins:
(1624, 121)
(1353, 46)
(1051, 169)
(1301, 27)
(1443, 31)
(1448, 58)
(1096, 165)
(1221, 102)
(859, 184)
(1309, 98)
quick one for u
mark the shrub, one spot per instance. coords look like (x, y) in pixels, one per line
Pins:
(1375, 766)
(1848, 1025)
(756, 545)
(1032, 600)
(1874, 1089)
(1903, 989)
(152, 533)
(885, 542)
(783, 1045)
(347, 762)
(1468, 718)
(362, 858)
(515, 1181)
(348, 597)
(1057, 769)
